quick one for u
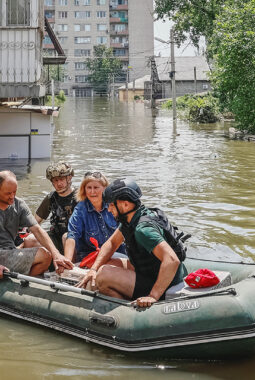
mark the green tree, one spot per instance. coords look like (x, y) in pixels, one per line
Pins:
(233, 48)
(193, 19)
(55, 72)
(102, 68)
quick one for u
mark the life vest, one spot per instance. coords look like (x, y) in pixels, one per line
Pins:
(145, 262)
(60, 214)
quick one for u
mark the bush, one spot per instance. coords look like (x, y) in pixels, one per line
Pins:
(199, 108)
(59, 99)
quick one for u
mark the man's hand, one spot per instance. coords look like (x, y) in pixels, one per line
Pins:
(2, 269)
(144, 301)
(61, 263)
(89, 277)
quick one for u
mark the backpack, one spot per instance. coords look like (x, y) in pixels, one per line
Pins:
(174, 238)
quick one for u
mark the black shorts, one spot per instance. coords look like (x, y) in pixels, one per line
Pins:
(143, 286)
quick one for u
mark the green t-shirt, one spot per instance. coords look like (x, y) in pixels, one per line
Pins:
(147, 237)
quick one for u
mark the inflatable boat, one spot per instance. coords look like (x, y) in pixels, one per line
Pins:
(208, 323)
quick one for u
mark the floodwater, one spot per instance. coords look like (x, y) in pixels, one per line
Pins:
(203, 181)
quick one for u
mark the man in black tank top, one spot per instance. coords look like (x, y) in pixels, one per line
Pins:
(58, 204)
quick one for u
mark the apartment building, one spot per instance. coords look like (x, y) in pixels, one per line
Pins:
(124, 25)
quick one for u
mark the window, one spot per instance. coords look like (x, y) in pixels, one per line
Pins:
(65, 91)
(101, 40)
(49, 14)
(120, 27)
(47, 40)
(119, 52)
(82, 27)
(82, 2)
(81, 78)
(62, 40)
(80, 65)
(18, 12)
(62, 2)
(62, 14)
(101, 14)
(101, 27)
(82, 14)
(82, 40)
(62, 27)
(101, 2)
(83, 92)
(52, 26)
(82, 52)
(49, 3)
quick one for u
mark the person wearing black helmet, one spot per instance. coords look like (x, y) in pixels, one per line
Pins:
(58, 204)
(152, 265)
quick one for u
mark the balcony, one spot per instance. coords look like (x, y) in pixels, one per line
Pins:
(119, 45)
(118, 20)
(122, 7)
(119, 32)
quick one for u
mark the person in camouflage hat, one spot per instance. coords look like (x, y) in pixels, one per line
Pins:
(58, 204)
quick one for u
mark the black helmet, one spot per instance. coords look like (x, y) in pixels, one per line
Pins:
(124, 189)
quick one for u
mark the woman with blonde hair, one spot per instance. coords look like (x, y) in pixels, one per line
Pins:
(90, 218)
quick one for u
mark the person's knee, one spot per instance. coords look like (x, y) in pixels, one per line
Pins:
(43, 256)
(104, 276)
(30, 241)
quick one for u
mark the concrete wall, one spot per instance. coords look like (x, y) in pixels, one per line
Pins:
(141, 36)
(185, 87)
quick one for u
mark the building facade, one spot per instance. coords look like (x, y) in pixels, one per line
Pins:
(124, 25)
(21, 54)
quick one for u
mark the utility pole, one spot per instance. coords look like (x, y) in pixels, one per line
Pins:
(127, 80)
(154, 82)
(195, 78)
(172, 73)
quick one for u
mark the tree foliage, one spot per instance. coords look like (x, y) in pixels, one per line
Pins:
(55, 72)
(102, 68)
(233, 47)
(193, 19)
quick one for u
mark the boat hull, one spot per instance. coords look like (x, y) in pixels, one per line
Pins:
(216, 325)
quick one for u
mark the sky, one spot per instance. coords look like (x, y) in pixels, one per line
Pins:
(162, 30)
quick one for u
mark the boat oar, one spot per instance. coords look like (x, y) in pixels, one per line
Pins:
(51, 284)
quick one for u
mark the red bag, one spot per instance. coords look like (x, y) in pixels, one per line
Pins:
(89, 260)
(202, 278)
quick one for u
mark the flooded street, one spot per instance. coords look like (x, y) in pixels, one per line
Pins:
(203, 181)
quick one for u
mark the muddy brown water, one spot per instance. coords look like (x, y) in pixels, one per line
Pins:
(203, 181)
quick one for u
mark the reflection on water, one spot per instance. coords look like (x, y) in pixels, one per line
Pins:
(203, 181)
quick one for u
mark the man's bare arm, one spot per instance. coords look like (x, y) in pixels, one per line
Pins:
(44, 239)
(106, 252)
(167, 271)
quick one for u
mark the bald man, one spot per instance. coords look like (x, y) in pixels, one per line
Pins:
(15, 214)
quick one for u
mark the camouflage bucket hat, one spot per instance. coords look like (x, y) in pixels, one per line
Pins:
(59, 169)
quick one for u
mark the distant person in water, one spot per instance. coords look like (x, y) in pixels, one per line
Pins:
(58, 204)
(90, 219)
(15, 214)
